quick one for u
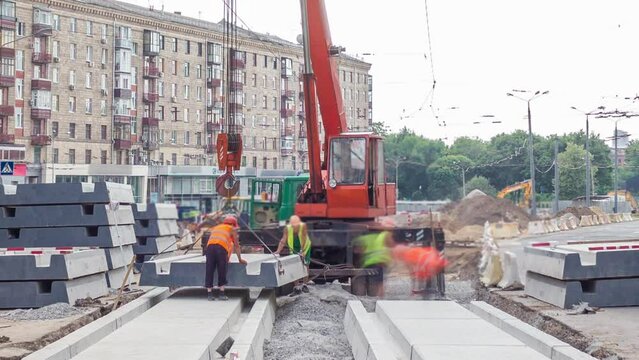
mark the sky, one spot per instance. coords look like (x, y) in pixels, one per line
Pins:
(584, 52)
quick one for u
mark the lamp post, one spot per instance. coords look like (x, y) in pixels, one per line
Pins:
(588, 169)
(533, 204)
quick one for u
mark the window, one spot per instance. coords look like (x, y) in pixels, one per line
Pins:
(198, 71)
(199, 49)
(104, 28)
(199, 93)
(73, 25)
(72, 130)
(134, 75)
(174, 159)
(103, 107)
(161, 88)
(274, 103)
(56, 158)
(88, 106)
(187, 137)
(89, 28)
(71, 156)
(265, 163)
(160, 112)
(134, 125)
(254, 161)
(87, 131)
(347, 160)
(19, 89)
(54, 129)
(174, 44)
(56, 22)
(187, 67)
(174, 113)
(264, 142)
(264, 81)
(186, 92)
(173, 90)
(55, 75)
(188, 47)
(243, 161)
(103, 156)
(161, 42)
(274, 163)
(71, 104)
(55, 102)
(20, 60)
(103, 82)
(198, 138)
(89, 54)
(88, 80)
(254, 59)
(198, 114)
(254, 100)
(173, 67)
(265, 60)
(264, 102)
(254, 80)
(253, 118)
(134, 48)
(87, 156)
(73, 51)
(173, 137)
(19, 120)
(186, 115)
(56, 48)
(103, 132)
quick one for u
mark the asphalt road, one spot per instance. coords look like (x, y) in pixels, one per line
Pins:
(619, 231)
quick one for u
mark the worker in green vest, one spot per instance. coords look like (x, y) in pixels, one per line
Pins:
(375, 253)
(295, 235)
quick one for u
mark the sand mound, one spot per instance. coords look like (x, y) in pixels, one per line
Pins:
(477, 210)
(578, 211)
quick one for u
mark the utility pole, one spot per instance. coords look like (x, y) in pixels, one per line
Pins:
(556, 202)
(615, 208)
(588, 173)
(463, 181)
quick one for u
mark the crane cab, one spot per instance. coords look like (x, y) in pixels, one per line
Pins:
(355, 180)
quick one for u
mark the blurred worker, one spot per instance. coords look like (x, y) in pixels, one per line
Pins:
(376, 255)
(424, 263)
(295, 235)
(222, 241)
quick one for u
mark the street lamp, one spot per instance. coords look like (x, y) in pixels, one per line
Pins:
(588, 170)
(533, 209)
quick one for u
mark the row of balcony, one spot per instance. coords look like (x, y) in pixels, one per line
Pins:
(41, 58)
(214, 82)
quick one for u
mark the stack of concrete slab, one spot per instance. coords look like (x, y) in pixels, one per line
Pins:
(37, 277)
(65, 215)
(601, 274)
(156, 230)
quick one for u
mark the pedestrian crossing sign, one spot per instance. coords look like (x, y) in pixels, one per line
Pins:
(6, 167)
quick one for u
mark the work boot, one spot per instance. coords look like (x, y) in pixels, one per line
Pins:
(223, 296)
(209, 296)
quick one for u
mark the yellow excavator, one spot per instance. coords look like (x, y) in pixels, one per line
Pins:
(525, 185)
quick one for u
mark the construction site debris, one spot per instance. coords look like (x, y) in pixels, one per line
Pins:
(582, 308)
(49, 312)
(577, 211)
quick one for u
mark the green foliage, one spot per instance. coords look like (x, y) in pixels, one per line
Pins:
(480, 183)
(380, 128)
(572, 172)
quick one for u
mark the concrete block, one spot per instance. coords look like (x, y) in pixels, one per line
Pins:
(571, 220)
(569, 353)
(489, 313)
(118, 257)
(64, 215)
(536, 227)
(627, 216)
(585, 261)
(50, 264)
(563, 225)
(155, 211)
(596, 292)
(115, 277)
(444, 352)
(65, 193)
(155, 245)
(585, 221)
(98, 236)
(188, 270)
(505, 230)
(155, 228)
(35, 294)
(369, 339)
(81, 339)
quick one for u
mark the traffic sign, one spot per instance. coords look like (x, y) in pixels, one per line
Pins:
(6, 167)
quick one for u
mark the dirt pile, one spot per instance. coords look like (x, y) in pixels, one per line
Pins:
(578, 211)
(477, 210)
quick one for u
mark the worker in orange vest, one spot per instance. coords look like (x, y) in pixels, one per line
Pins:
(222, 241)
(424, 263)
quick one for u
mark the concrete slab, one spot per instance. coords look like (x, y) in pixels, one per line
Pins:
(115, 277)
(50, 264)
(155, 211)
(478, 352)
(155, 228)
(35, 294)
(596, 292)
(98, 236)
(64, 215)
(118, 257)
(422, 310)
(65, 193)
(154, 245)
(198, 331)
(585, 261)
(257, 327)
(189, 270)
(369, 339)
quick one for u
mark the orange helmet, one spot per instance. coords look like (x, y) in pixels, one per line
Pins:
(230, 220)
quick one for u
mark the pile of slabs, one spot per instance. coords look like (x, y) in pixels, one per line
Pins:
(156, 230)
(262, 270)
(601, 274)
(39, 219)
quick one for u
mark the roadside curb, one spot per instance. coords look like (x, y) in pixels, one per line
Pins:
(86, 336)
(538, 340)
(256, 328)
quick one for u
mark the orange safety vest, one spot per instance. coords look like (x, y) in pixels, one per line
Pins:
(222, 235)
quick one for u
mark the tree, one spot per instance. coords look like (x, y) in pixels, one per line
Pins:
(572, 172)
(445, 175)
(480, 183)
(380, 128)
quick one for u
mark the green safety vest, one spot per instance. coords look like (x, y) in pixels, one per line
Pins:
(375, 250)
(291, 240)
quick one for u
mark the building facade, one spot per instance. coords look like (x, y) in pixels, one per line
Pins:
(93, 89)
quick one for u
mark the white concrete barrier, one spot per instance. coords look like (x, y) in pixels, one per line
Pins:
(554, 225)
(594, 219)
(536, 227)
(585, 221)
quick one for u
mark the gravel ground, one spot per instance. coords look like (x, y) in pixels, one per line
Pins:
(50, 312)
(311, 326)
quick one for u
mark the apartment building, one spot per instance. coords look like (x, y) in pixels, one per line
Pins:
(103, 90)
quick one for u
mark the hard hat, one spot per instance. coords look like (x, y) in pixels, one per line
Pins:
(230, 220)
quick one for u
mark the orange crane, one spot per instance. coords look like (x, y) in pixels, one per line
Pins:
(525, 185)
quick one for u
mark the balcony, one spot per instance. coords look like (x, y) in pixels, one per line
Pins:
(287, 72)
(6, 110)
(122, 119)
(238, 63)
(286, 113)
(121, 144)
(41, 84)
(8, 19)
(214, 83)
(286, 152)
(289, 94)
(6, 52)
(122, 93)
(7, 139)
(151, 72)
(40, 29)
(211, 149)
(150, 145)
(40, 140)
(151, 97)
(235, 107)
(213, 126)
(287, 131)
(41, 58)
(40, 114)
(236, 85)
(150, 122)
(7, 81)
(123, 43)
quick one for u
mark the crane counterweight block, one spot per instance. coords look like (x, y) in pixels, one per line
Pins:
(229, 151)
